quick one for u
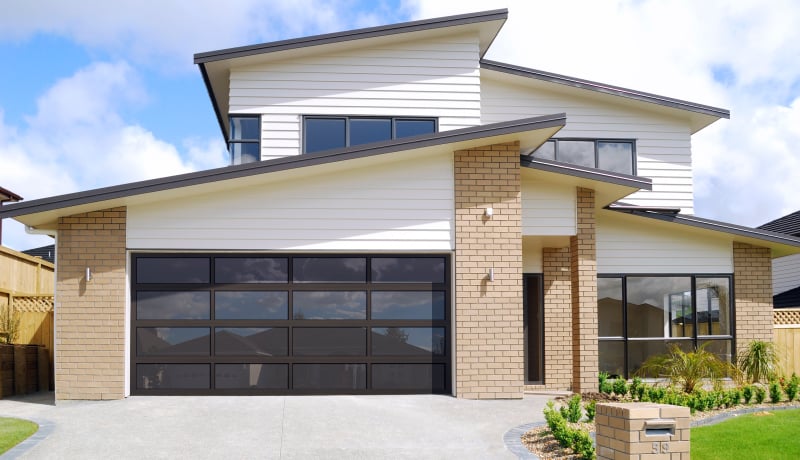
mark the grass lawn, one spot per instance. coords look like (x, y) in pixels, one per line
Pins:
(755, 436)
(13, 431)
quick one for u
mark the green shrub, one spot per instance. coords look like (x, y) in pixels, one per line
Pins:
(606, 387)
(641, 390)
(760, 394)
(582, 445)
(792, 387)
(577, 440)
(572, 411)
(775, 393)
(760, 361)
(591, 410)
(602, 377)
(734, 397)
(747, 394)
(686, 369)
(620, 387)
(633, 389)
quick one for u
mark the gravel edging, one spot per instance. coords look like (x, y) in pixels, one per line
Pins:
(46, 428)
(513, 437)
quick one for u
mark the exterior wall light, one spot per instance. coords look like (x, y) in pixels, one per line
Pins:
(488, 212)
(491, 274)
(88, 274)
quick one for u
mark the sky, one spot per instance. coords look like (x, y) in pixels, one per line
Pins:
(97, 93)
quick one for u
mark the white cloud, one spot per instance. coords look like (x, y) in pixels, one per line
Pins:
(77, 140)
(745, 168)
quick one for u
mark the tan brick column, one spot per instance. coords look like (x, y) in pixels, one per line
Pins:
(557, 319)
(489, 336)
(583, 266)
(90, 316)
(752, 277)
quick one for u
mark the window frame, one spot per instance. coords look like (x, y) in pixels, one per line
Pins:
(232, 141)
(596, 142)
(695, 339)
(347, 119)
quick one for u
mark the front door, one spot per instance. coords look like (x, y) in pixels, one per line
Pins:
(533, 319)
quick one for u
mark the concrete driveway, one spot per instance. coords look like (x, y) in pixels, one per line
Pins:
(308, 427)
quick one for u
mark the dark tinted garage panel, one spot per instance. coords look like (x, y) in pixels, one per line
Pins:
(289, 324)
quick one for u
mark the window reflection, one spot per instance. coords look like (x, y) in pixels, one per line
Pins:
(609, 307)
(330, 269)
(408, 305)
(408, 269)
(173, 270)
(179, 341)
(262, 376)
(251, 270)
(651, 304)
(173, 305)
(329, 341)
(255, 341)
(251, 305)
(329, 305)
(329, 376)
(408, 341)
(173, 376)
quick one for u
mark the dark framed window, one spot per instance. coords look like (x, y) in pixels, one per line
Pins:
(616, 155)
(326, 133)
(244, 144)
(643, 315)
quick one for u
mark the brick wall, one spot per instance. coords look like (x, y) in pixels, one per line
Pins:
(583, 267)
(557, 319)
(90, 316)
(489, 337)
(752, 272)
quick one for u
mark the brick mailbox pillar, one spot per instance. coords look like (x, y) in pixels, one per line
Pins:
(642, 431)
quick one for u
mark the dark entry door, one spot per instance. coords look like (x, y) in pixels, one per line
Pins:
(533, 318)
(290, 324)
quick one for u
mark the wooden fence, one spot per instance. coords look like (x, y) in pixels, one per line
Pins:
(786, 322)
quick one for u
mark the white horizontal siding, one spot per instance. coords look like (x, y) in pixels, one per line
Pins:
(663, 145)
(629, 245)
(435, 78)
(406, 205)
(548, 209)
(532, 261)
(785, 273)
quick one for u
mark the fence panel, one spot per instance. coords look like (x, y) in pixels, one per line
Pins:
(787, 338)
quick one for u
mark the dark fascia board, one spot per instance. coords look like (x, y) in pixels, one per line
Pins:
(558, 167)
(718, 226)
(282, 164)
(357, 34)
(604, 88)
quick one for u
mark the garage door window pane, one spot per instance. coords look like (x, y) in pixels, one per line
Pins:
(258, 341)
(173, 305)
(330, 270)
(329, 305)
(173, 341)
(251, 270)
(251, 305)
(329, 341)
(408, 341)
(173, 270)
(424, 305)
(408, 270)
(261, 376)
(173, 376)
(329, 376)
(410, 377)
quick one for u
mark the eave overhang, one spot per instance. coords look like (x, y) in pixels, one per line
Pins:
(699, 115)
(609, 187)
(780, 244)
(44, 213)
(215, 66)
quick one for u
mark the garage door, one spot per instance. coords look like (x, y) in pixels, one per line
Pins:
(290, 324)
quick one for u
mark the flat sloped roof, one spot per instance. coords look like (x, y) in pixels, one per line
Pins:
(788, 224)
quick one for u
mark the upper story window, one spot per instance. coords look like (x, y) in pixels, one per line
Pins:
(325, 133)
(611, 155)
(244, 145)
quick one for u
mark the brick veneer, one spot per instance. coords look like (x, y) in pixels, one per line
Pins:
(583, 267)
(489, 337)
(90, 316)
(557, 319)
(752, 271)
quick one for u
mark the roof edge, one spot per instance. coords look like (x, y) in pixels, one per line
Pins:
(604, 88)
(642, 183)
(356, 34)
(280, 164)
(725, 227)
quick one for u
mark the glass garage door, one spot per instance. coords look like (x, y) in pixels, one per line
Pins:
(256, 324)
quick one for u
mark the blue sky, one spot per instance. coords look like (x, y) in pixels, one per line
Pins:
(98, 93)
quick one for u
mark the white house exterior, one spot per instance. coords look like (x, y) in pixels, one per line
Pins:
(531, 230)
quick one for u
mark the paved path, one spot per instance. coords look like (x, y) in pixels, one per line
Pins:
(273, 427)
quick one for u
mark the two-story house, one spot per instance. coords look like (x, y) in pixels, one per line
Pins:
(403, 216)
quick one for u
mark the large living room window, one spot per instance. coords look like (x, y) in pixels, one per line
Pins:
(611, 155)
(244, 145)
(326, 133)
(640, 316)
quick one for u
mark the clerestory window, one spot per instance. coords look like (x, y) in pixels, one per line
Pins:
(244, 144)
(611, 155)
(326, 133)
